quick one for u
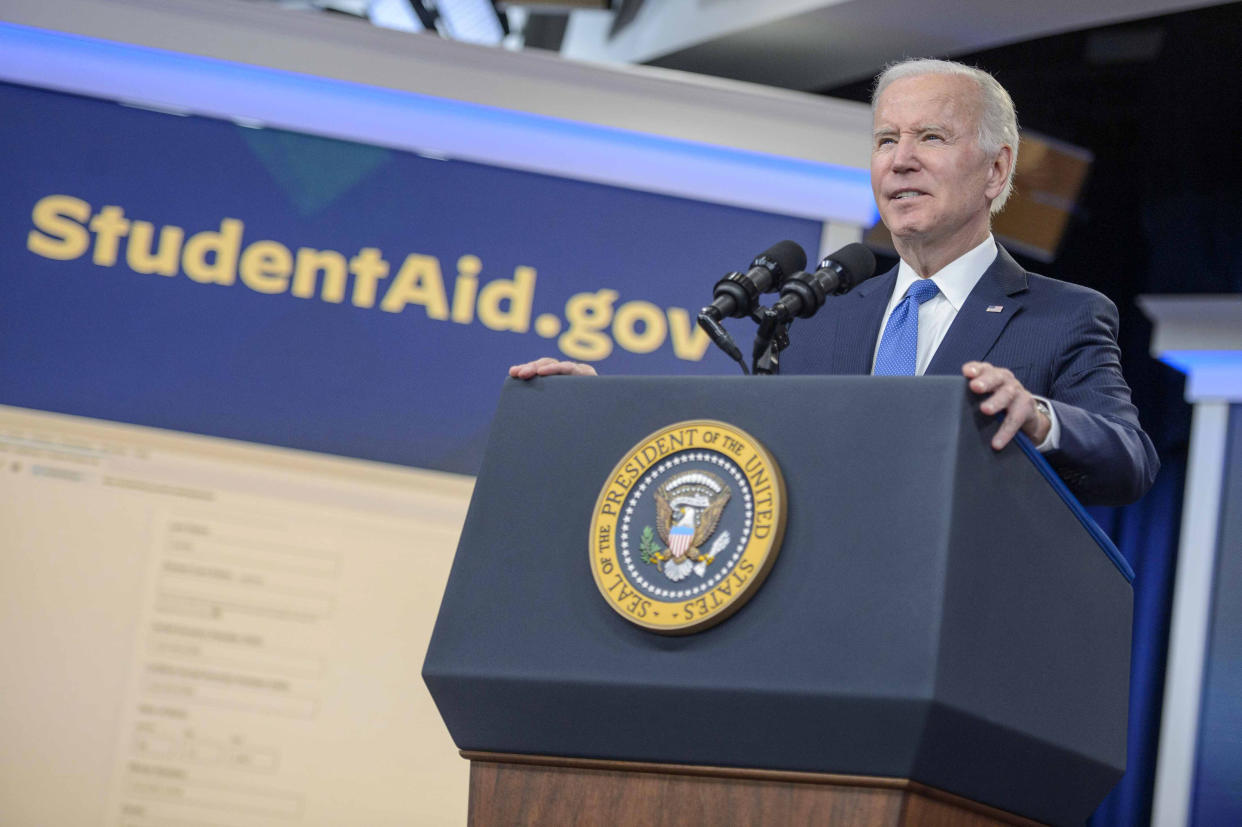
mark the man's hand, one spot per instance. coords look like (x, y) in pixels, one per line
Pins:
(1008, 395)
(547, 366)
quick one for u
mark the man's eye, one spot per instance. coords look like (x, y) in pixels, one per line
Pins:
(884, 141)
(933, 136)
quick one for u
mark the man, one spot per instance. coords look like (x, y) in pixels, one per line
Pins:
(1042, 353)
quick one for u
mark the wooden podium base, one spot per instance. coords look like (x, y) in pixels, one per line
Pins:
(513, 790)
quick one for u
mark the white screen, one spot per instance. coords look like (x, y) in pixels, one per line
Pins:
(204, 632)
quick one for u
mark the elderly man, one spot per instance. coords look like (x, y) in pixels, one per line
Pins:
(1042, 353)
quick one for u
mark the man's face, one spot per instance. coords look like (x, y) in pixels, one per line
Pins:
(932, 182)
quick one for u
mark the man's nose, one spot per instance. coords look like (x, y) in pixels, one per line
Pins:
(905, 154)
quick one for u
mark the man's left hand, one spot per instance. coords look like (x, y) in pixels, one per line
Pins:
(1008, 395)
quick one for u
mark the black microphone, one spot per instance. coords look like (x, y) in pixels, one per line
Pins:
(803, 294)
(737, 294)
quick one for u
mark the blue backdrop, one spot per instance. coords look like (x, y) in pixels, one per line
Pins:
(227, 344)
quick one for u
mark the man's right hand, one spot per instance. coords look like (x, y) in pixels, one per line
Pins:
(547, 366)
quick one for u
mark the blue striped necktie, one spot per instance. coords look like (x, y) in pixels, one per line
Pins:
(899, 347)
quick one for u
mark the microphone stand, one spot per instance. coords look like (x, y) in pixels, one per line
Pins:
(772, 338)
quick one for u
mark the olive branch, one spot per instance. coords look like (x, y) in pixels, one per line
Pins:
(649, 549)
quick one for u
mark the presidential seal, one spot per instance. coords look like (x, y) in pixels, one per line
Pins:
(687, 526)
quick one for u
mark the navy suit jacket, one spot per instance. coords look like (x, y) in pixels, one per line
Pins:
(1060, 341)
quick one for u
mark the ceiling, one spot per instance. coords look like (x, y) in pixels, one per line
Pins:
(806, 45)
(812, 45)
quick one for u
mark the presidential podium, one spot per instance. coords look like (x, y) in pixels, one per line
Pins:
(943, 638)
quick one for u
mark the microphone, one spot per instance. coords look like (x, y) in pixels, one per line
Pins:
(803, 294)
(737, 294)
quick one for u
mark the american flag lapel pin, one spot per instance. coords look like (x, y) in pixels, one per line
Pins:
(995, 308)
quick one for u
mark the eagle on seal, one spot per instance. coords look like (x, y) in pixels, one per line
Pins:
(688, 508)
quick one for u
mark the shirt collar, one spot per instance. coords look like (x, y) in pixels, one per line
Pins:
(957, 278)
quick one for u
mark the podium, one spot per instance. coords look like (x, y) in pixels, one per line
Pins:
(944, 637)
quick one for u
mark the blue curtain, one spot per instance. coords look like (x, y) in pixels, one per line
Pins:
(1147, 533)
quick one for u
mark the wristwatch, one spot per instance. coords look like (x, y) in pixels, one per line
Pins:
(1043, 408)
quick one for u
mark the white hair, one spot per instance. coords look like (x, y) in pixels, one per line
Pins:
(998, 120)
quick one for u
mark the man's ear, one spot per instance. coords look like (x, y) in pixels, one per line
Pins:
(998, 174)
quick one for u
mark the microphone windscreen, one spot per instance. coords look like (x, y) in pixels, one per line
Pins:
(789, 257)
(855, 259)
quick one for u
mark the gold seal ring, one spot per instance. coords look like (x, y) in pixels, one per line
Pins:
(687, 526)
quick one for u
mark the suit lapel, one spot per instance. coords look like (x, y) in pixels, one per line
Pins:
(976, 329)
(858, 326)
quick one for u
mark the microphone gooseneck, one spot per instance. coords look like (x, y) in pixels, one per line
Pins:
(737, 294)
(803, 294)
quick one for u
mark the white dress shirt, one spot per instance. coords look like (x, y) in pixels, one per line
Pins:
(955, 280)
